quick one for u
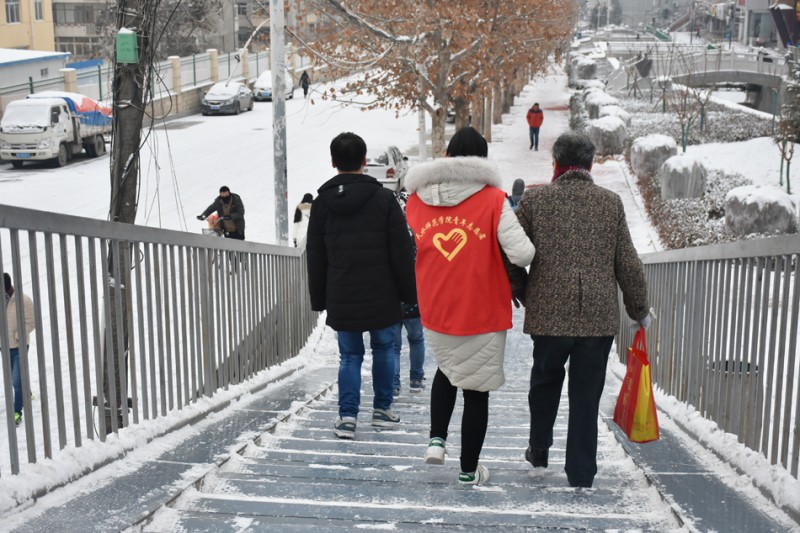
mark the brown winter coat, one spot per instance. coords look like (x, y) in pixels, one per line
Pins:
(14, 333)
(583, 250)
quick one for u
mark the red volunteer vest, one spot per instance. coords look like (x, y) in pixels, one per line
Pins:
(462, 285)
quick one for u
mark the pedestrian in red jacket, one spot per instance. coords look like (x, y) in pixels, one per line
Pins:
(535, 118)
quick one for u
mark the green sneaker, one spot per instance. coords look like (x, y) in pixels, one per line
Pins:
(17, 418)
(478, 477)
(436, 451)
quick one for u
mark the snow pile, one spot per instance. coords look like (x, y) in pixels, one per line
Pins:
(615, 111)
(589, 84)
(608, 135)
(760, 209)
(595, 99)
(682, 176)
(585, 68)
(650, 152)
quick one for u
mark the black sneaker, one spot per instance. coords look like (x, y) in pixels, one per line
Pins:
(536, 457)
(417, 385)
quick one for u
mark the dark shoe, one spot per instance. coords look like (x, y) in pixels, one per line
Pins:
(536, 457)
(536, 149)
(416, 386)
(531, 148)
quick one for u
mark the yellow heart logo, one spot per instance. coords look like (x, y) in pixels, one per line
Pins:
(459, 238)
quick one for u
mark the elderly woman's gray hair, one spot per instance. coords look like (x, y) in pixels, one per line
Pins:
(573, 149)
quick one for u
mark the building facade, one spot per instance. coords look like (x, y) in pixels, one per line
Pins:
(27, 25)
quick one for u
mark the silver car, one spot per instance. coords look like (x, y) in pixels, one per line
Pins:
(230, 98)
(387, 165)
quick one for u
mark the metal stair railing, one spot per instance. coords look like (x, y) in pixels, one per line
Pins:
(200, 314)
(726, 338)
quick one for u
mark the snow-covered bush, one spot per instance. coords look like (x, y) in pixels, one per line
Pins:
(691, 221)
(615, 111)
(589, 84)
(577, 114)
(760, 209)
(648, 153)
(585, 68)
(682, 176)
(597, 99)
(608, 135)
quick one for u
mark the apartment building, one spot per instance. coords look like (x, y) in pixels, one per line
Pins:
(27, 25)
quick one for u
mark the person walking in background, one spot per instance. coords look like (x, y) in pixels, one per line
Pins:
(462, 224)
(413, 325)
(361, 271)
(301, 214)
(535, 119)
(304, 83)
(230, 209)
(16, 336)
(583, 251)
(517, 189)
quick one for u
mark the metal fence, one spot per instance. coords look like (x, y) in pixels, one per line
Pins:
(197, 313)
(726, 338)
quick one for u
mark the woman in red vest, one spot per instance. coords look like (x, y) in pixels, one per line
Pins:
(461, 222)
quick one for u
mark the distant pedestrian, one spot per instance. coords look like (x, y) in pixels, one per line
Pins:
(230, 209)
(15, 336)
(583, 253)
(301, 214)
(462, 224)
(535, 118)
(304, 83)
(361, 271)
(413, 326)
(516, 193)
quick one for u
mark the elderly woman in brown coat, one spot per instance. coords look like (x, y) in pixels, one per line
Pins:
(583, 252)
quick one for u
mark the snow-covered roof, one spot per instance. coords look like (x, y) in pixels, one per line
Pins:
(11, 56)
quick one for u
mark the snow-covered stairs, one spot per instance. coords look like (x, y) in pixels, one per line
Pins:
(302, 478)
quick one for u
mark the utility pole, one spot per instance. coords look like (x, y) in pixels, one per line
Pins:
(132, 61)
(278, 62)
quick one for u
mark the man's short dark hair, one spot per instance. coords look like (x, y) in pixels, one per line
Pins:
(467, 142)
(348, 151)
(224, 188)
(7, 280)
(573, 149)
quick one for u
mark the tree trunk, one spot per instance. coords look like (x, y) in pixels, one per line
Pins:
(478, 106)
(462, 113)
(497, 106)
(487, 116)
(437, 132)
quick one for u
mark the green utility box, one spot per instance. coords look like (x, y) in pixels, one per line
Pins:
(127, 47)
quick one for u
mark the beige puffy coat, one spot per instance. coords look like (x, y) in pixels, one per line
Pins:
(472, 362)
(11, 320)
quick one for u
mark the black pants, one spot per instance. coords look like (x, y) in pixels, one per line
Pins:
(588, 357)
(473, 421)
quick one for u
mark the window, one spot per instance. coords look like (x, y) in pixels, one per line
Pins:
(39, 9)
(43, 72)
(242, 8)
(74, 13)
(12, 11)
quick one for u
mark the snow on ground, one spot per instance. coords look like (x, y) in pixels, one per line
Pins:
(211, 151)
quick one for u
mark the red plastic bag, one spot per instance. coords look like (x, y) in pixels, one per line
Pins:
(635, 412)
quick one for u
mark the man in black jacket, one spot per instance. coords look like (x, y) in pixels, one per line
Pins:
(230, 209)
(361, 270)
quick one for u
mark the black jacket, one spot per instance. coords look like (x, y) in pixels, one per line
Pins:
(237, 211)
(360, 255)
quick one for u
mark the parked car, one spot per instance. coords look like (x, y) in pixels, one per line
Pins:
(387, 165)
(227, 98)
(262, 88)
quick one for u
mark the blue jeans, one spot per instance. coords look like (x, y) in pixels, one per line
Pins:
(416, 349)
(16, 379)
(351, 355)
(535, 137)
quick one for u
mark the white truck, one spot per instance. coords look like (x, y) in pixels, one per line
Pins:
(54, 126)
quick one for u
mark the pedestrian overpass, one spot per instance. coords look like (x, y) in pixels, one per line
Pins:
(210, 352)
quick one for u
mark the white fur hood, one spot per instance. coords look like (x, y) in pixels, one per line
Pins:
(451, 180)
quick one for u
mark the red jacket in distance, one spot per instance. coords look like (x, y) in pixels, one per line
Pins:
(535, 118)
